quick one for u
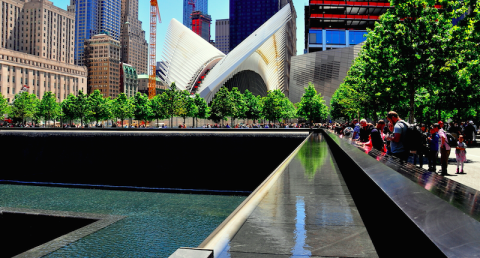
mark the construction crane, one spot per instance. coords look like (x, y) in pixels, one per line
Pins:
(192, 3)
(154, 15)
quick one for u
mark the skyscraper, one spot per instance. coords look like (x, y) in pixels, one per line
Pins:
(337, 24)
(222, 35)
(102, 57)
(248, 15)
(200, 5)
(201, 24)
(93, 17)
(132, 38)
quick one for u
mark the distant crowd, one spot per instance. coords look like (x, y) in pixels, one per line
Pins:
(401, 139)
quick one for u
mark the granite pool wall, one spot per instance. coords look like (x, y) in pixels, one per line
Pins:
(207, 161)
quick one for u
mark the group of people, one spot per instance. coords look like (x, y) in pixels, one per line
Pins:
(400, 139)
(257, 125)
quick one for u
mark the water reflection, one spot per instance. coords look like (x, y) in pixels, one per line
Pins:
(460, 196)
(300, 233)
(313, 155)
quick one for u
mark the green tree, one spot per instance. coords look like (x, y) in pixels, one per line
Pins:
(158, 108)
(202, 106)
(123, 107)
(48, 107)
(253, 106)
(24, 106)
(69, 108)
(312, 105)
(411, 60)
(83, 107)
(143, 110)
(4, 106)
(273, 105)
(239, 103)
(222, 105)
(100, 106)
(186, 107)
(171, 100)
(289, 110)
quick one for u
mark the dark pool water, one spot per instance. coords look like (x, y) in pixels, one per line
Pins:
(156, 224)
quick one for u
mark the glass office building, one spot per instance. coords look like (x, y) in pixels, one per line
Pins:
(200, 5)
(248, 15)
(338, 24)
(93, 17)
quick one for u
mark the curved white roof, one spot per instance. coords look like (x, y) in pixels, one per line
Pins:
(263, 52)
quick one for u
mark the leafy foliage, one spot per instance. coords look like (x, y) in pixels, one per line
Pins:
(222, 104)
(101, 108)
(312, 105)
(48, 107)
(4, 106)
(24, 106)
(253, 106)
(143, 110)
(415, 61)
(123, 107)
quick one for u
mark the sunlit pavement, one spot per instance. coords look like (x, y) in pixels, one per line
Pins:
(471, 177)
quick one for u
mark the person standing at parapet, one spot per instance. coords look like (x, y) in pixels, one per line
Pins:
(444, 149)
(356, 129)
(399, 134)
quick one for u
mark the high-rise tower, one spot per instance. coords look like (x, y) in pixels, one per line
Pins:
(93, 17)
(132, 37)
(222, 35)
(200, 5)
(201, 24)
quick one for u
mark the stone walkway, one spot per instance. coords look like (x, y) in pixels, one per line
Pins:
(471, 177)
(308, 212)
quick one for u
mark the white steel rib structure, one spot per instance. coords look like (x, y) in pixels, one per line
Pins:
(257, 64)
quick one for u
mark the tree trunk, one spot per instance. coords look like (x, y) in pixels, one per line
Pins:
(122, 123)
(412, 105)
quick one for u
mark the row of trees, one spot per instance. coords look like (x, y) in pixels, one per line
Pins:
(169, 104)
(415, 61)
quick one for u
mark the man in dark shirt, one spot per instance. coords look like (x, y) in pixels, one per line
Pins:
(377, 136)
(364, 131)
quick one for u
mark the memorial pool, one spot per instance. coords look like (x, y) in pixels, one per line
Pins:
(155, 224)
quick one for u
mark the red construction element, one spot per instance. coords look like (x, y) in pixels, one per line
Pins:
(199, 22)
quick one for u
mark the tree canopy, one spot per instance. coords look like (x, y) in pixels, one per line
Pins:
(312, 106)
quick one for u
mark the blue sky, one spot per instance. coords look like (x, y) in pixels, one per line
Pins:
(218, 9)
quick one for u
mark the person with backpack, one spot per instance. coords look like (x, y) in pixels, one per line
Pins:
(433, 148)
(397, 146)
(421, 147)
(444, 149)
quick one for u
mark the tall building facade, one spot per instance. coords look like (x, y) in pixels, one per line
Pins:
(36, 50)
(222, 35)
(93, 17)
(248, 15)
(102, 58)
(200, 5)
(338, 24)
(132, 38)
(39, 28)
(128, 80)
(201, 24)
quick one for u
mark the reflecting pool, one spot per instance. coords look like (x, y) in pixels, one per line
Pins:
(156, 224)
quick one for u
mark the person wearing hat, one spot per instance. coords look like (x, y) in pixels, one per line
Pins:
(444, 149)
